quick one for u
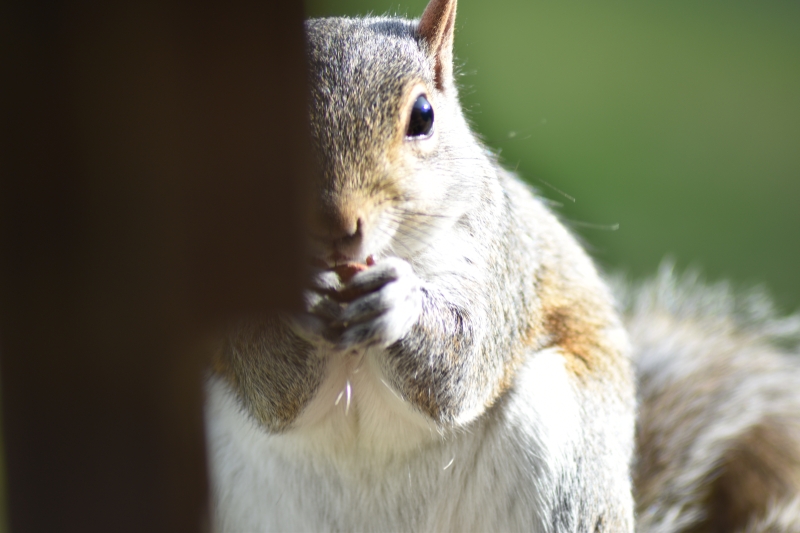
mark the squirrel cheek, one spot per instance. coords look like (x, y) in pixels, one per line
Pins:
(429, 185)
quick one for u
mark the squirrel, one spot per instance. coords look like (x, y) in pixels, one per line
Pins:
(461, 365)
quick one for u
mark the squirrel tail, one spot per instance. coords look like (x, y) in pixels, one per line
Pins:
(718, 430)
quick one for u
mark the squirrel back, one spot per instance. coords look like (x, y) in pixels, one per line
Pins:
(460, 364)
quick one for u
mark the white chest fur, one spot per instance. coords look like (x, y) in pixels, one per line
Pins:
(377, 466)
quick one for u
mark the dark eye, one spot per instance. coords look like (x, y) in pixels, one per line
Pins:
(421, 122)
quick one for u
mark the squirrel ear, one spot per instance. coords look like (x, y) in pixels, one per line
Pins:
(436, 28)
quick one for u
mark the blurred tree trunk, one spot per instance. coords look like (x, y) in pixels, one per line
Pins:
(152, 162)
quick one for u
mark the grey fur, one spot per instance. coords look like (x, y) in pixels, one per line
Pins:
(484, 309)
(719, 391)
(475, 284)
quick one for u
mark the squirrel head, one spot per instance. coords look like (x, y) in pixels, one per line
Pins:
(397, 160)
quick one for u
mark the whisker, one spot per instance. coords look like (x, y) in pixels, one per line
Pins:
(589, 225)
(391, 237)
(414, 232)
(417, 233)
(349, 394)
(450, 463)
(398, 396)
(557, 190)
(420, 213)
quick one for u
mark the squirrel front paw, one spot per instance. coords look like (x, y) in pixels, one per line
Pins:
(320, 309)
(375, 305)
(379, 305)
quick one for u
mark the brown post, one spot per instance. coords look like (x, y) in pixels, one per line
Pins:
(153, 158)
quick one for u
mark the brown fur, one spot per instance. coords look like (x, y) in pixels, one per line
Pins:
(762, 466)
(578, 319)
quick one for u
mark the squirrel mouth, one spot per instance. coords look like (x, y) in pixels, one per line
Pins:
(337, 259)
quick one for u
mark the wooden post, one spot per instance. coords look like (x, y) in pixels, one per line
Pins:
(154, 156)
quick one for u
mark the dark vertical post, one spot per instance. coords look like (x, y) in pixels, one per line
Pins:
(153, 157)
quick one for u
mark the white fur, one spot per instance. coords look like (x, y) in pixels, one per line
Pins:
(781, 516)
(378, 466)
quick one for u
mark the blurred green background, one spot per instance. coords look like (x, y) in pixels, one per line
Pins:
(675, 126)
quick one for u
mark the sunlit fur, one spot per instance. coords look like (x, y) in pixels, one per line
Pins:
(481, 380)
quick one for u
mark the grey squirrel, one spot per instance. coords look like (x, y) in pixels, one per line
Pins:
(460, 364)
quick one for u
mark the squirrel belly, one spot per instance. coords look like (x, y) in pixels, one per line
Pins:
(502, 477)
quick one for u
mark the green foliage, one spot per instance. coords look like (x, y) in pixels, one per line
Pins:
(677, 121)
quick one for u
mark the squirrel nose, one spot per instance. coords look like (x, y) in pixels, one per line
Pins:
(348, 231)
(338, 227)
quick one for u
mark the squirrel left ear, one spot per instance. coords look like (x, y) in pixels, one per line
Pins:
(436, 28)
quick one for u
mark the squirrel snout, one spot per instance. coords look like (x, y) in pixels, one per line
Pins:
(335, 227)
(338, 232)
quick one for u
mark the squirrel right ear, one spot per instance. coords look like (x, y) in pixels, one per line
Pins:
(436, 28)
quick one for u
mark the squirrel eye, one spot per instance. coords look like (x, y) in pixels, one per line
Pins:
(421, 121)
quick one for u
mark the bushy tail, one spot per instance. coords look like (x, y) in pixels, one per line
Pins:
(718, 432)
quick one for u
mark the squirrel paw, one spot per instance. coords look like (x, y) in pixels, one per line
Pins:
(320, 309)
(388, 302)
